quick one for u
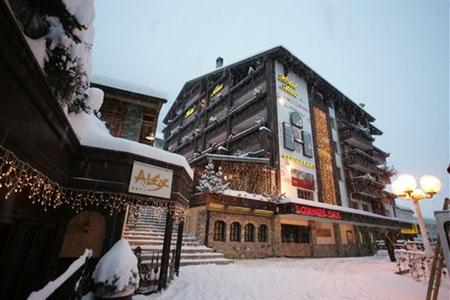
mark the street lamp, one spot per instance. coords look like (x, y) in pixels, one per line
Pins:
(405, 187)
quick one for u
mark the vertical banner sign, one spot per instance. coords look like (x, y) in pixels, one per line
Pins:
(297, 162)
(150, 180)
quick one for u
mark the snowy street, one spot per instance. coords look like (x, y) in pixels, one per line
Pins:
(289, 278)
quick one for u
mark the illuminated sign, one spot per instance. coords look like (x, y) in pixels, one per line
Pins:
(412, 230)
(150, 180)
(317, 212)
(288, 86)
(302, 162)
(302, 180)
(189, 112)
(217, 89)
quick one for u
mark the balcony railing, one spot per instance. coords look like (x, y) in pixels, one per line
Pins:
(378, 154)
(356, 137)
(360, 161)
(366, 185)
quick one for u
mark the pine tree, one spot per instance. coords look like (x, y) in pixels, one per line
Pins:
(212, 181)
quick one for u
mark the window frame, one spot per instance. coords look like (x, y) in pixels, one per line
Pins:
(219, 233)
(263, 233)
(235, 232)
(249, 233)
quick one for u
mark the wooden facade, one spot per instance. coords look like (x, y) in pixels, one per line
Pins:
(37, 245)
(129, 114)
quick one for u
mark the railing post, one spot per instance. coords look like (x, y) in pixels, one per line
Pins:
(162, 284)
(178, 249)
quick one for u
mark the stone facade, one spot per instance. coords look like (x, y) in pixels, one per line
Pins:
(358, 240)
(241, 249)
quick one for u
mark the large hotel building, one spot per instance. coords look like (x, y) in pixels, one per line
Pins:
(277, 128)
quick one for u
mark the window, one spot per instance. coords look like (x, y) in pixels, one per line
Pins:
(332, 123)
(302, 194)
(249, 233)
(295, 234)
(307, 144)
(235, 232)
(219, 231)
(365, 207)
(288, 137)
(262, 233)
(339, 174)
(354, 205)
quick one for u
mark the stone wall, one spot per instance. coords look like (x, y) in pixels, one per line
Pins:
(241, 249)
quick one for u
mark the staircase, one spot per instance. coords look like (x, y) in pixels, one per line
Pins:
(148, 233)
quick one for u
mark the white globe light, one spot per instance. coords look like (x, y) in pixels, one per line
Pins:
(430, 184)
(397, 189)
(406, 183)
(418, 194)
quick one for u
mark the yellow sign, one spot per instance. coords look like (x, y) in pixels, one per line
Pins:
(189, 112)
(412, 230)
(302, 162)
(217, 89)
(288, 86)
(150, 180)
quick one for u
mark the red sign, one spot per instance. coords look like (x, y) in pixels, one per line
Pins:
(317, 212)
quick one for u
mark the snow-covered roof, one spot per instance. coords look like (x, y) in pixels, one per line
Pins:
(128, 86)
(92, 132)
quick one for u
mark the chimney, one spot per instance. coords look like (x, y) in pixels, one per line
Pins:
(219, 62)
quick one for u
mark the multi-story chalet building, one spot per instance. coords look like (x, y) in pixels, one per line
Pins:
(129, 110)
(271, 121)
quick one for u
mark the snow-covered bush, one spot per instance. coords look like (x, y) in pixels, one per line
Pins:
(117, 271)
(212, 181)
(274, 195)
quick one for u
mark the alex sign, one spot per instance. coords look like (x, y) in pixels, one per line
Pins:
(317, 212)
(150, 180)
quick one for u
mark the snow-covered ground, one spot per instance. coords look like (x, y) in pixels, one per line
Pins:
(288, 278)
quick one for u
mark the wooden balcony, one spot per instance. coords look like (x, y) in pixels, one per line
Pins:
(356, 137)
(365, 187)
(360, 161)
(378, 154)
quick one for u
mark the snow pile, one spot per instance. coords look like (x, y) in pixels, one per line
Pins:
(92, 132)
(117, 270)
(312, 279)
(244, 194)
(128, 86)
(51, 287)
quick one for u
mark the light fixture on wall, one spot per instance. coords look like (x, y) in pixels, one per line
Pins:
(150, 137)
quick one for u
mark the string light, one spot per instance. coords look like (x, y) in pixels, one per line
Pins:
(324, 155)
(17, 176)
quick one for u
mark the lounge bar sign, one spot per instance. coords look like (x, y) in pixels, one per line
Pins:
(150, 180)
(317, 212)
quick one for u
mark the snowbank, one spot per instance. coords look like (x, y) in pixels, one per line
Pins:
(289, 278)
(51, 287)
(117, 268)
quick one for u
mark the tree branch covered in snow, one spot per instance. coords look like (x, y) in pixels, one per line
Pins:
(60, 34)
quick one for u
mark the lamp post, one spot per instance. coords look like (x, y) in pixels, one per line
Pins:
(405, 187)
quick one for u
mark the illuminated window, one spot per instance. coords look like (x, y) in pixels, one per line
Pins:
(235, 232)
(325, 157)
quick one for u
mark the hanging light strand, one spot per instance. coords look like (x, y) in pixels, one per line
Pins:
(17, 176)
